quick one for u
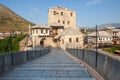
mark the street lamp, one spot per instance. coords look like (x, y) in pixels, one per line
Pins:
(11, 35)
(96, 47)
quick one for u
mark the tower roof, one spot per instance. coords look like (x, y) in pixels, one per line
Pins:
(61, 7)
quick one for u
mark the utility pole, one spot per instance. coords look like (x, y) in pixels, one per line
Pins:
(96, 47)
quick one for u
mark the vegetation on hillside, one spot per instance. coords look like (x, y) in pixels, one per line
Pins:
(11, 43)
(10, 21)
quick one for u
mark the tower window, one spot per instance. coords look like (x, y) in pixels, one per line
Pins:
(61, 13)
(68, 22)
(63, 22)
(54, 12)
(58, 21)
(70, 39)
(77, 39)
(71, 14)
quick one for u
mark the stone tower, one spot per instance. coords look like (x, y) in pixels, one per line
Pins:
(64, 16)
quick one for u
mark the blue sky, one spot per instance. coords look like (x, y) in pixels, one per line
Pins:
(88, 12)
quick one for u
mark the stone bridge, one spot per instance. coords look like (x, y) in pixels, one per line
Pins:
(56, 65)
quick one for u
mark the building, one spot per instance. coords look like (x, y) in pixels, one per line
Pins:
(61, 30)
(103, 39)
(64, 16)
(56, 28)
(115, 32)
(39, 32)
(18, 32)
(70, 38)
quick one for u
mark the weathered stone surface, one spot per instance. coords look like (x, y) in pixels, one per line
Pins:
(53, 66)
(106, 64)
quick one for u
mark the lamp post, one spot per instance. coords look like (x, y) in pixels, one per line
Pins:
(44, 39)
(11, 35)
(96, 47)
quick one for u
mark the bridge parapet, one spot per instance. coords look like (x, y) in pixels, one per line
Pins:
(107, 65)
(10, 60)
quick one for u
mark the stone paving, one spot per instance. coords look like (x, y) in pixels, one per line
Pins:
(54, 66)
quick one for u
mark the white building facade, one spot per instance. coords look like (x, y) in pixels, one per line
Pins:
(103, 38)
(38, 32)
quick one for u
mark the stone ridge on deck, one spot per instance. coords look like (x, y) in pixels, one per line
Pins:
(54, 66)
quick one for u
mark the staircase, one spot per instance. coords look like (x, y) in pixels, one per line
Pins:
(54, 66)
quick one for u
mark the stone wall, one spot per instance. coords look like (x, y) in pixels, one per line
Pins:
(10, 60)
(106, 64)
(66, 44)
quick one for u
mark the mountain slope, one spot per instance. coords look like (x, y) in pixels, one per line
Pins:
(10, 21)
(116, 25)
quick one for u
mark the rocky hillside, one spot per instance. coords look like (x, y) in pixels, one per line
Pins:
(10, 21)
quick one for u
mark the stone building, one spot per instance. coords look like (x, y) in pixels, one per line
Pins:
(64, 16)
(61, 30)
(103, 39)
(115, 32)
(70, 38)
(39, 32)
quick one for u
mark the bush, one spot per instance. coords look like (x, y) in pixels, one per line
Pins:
(112, 48)
(9, 44)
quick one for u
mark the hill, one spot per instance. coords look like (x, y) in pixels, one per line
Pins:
(116, 25)
(10, 21)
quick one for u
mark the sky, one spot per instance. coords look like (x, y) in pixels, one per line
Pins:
(88, 12)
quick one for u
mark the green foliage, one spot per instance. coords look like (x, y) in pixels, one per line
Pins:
(108, 50)
(112, 48)
(11, 43)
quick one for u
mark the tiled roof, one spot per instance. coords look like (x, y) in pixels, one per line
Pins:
(61, 7)
(101, 34)
(41, 26)
(115, 30)
(69, 31)
(56, 24)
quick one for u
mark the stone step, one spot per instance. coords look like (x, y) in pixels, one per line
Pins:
(46, 78)
(53, 66)
(49, 64)
(50, 68)
(48, 73)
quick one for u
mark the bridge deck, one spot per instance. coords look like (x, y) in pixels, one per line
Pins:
(53, 66)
